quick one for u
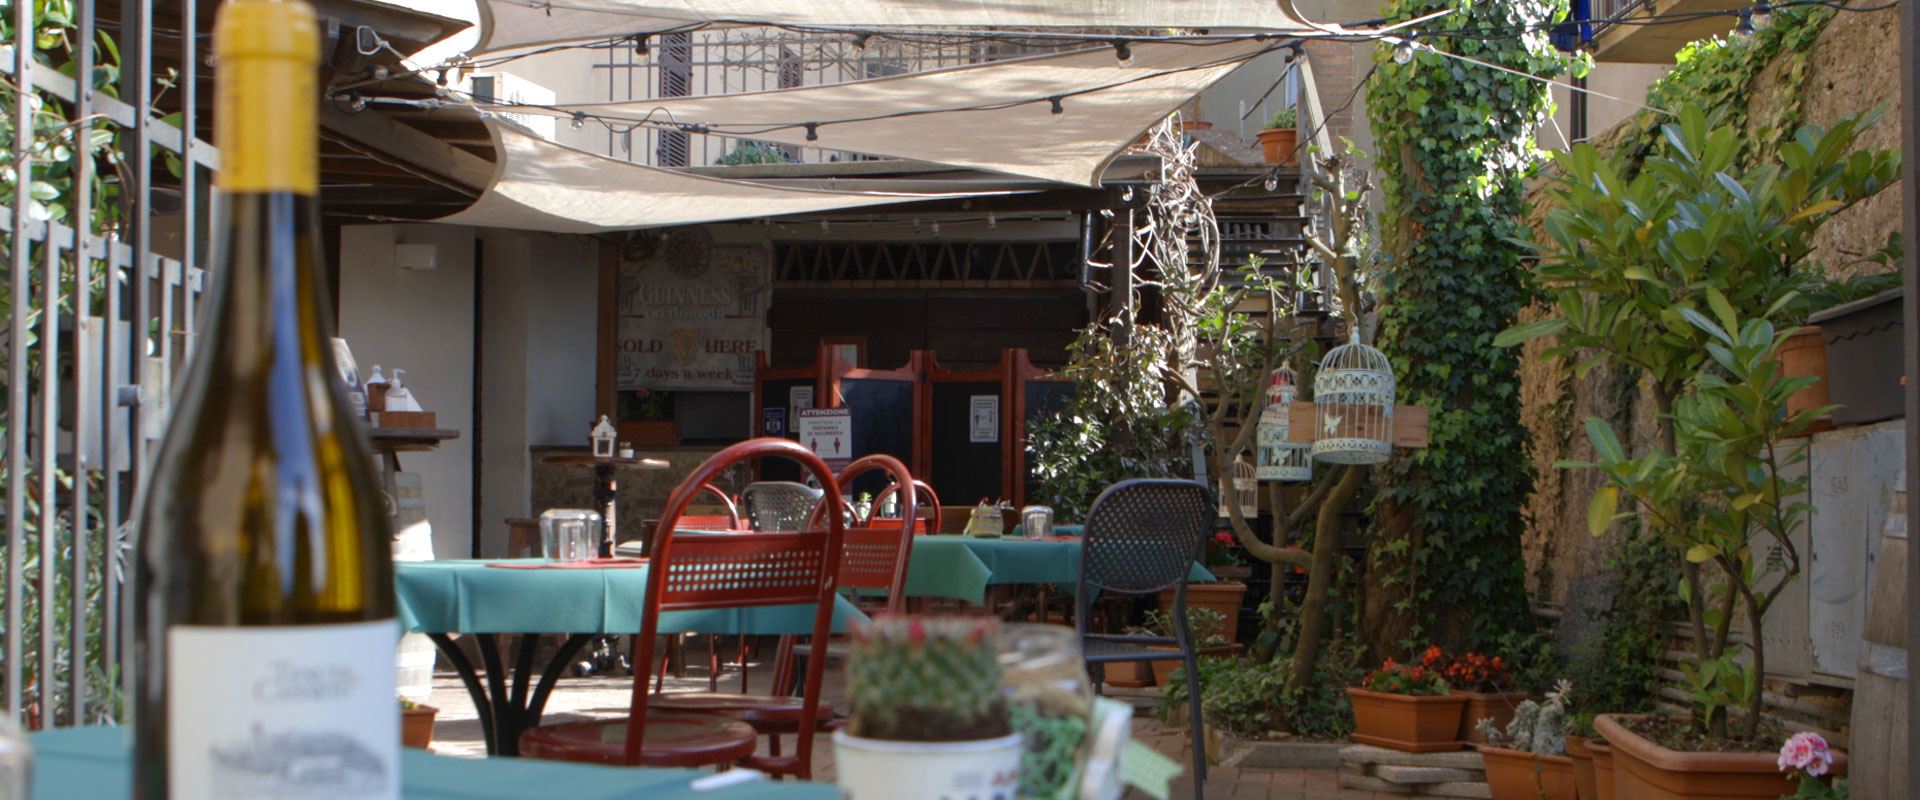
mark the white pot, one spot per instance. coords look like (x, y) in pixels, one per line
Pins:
(881, 769)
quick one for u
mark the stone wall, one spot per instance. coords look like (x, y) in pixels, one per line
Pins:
(1854, 67)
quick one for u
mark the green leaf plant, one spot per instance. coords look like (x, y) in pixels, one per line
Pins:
(1693, 271)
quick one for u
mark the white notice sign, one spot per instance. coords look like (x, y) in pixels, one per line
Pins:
(799, 398)
(984, 418)
(828, 432)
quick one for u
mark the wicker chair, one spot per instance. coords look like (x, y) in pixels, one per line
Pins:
(1142, 537)
(779, 505)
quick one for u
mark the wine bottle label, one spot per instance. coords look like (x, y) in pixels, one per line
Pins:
(291, 712)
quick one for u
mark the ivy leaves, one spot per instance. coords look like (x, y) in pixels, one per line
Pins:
(1455, 143)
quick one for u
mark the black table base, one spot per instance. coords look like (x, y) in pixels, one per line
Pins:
(505, 712)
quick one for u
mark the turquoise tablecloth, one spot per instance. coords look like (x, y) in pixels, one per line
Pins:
(962, 567)
(461, 596)
(88, 763)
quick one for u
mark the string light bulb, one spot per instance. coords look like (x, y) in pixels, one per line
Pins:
(640, 46)
(579, 120)
(936, 229)
(1272, 183)
(1743, 30)
(916, 224)
(1059, 107)
(1762, 16)
(813, 131)
(1123, 51)
(860, 43)
(825, 227)
(993, 222)
(1403, 52)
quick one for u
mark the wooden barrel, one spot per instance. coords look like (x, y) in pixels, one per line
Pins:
(1879, 754)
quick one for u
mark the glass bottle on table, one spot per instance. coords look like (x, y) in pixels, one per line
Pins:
(263, 586)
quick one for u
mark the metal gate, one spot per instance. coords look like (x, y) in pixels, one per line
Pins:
(102, 228)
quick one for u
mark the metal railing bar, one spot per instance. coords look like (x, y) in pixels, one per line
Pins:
(23, 29)
(136, 82)
(113, 352)
(159, 283)
(189, 175)
(38, 231)
(50, 80)
(49, 517)
(81, 245)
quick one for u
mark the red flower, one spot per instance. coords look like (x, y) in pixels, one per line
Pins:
(1224, 538)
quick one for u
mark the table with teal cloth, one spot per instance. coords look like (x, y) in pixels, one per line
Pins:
(93, 763)
(962, 567)
(439, 598)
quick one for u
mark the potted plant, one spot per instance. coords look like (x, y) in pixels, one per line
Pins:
(646, 418)
(1806, 758)
(1536, 765)
(416, 724)
(1692, 308)
(1209, 638)
(1602, 767)
(1281, 139)
(928, 719)
(1222, 597)
(1486, 684)
(1406, 707)
(1220, 559)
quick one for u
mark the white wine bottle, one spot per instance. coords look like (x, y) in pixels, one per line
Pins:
(263, 582)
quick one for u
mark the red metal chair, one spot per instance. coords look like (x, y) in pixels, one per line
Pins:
(928, 502)
(706, 571)
(873, 558)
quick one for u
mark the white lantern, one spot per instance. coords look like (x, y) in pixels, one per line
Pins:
(1280, 458)
(1353, 405)
(603, 435)
(1243, 489)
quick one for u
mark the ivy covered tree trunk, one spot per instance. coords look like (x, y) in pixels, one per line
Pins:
(1455, 144)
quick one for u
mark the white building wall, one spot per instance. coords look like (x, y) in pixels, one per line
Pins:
(420, 321)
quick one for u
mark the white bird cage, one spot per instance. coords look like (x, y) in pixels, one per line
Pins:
(1280, 458)
(1353, 405)
(1245, 491)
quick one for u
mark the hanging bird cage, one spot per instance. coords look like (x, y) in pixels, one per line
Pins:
(1245, 489)
(1353, 405)
(1280, 458)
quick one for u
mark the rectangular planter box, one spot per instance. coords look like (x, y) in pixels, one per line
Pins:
(1407, 723)
(1221, 597)
(1863, 357)
(1517, 775)
(1498, 705)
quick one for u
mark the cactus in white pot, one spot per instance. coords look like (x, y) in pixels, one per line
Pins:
(929, 717)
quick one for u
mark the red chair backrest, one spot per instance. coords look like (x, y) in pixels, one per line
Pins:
(730, 522)
(739, 569)
(876, 556)
(926, 501)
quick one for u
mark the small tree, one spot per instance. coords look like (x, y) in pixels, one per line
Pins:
(1666, 272)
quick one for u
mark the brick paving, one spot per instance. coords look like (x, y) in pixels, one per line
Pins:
(457, 733)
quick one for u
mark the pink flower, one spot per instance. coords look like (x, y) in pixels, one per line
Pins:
(1805, 752)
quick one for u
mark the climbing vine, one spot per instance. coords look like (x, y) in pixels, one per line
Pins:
(1456, 147)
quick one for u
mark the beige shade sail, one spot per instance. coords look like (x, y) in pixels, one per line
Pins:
(514, 24)
(995, 117)
(542, 186)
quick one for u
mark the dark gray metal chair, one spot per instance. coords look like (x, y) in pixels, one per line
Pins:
(1142, 537)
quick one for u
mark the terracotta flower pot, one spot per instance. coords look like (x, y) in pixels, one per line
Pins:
(1221, 597)
(1644, 770)
(1520, 775)
(1407, 723)
(1602, 768)
(1583, 781)
(416, 726)
(1497, 705)
(1279, 144)
(1805, 354)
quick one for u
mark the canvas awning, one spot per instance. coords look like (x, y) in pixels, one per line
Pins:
(994, 117)
(513, 24)
(543, 186)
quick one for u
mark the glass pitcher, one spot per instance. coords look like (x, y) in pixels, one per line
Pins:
(1036, 522)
